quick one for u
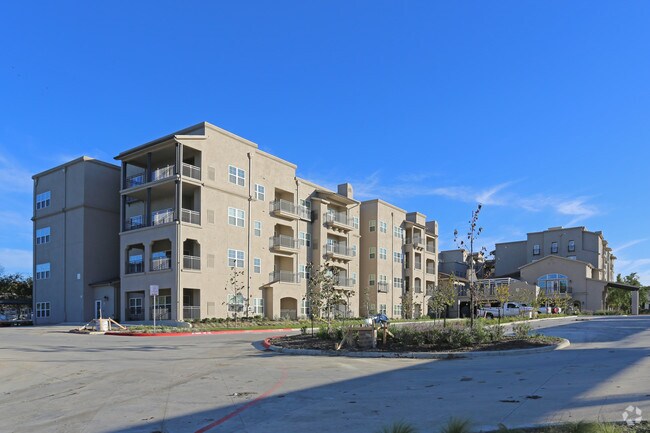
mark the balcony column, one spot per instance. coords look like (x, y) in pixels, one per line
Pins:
(148, 168)
(179, 184)
(147, 209)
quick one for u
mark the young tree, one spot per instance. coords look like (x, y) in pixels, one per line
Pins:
(503, 294)
(473, 232)
(235, 301)
(443, 296)
(323, 295)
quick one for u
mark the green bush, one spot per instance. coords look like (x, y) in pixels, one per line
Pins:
(521, 330)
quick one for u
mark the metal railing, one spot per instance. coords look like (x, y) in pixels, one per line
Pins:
(345, 282)
(283, 241)
(382, 287)
(284, 277)
(192, 262)
(161, 312)
(338, 218)
(133, 224)
(162, 173)
(281, 205)
(416, 241)
(162, 216)
(135, 267)
(135, 180)
(161, 264)
(192, 171)
(191, 312)
(340, 250)
(191, 216)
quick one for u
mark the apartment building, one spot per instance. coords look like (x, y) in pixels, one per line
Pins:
(398, 260)
(571, 261)
(76, 243)
(202, 201)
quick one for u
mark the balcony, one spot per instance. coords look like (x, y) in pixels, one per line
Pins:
(133, 224)
(338, 251)
(162, 173)
(135, 267)
(284, 209)
(345, 282)
(283, 244)
(163, 312)
(191, 313)
(382, 287)
(283, 277)
(192, 262)
(431, 269)
(161, 264)
(431, 248)
(192, 171)
(338, 220)
(191, 216)
(135, 180)
(162, 216)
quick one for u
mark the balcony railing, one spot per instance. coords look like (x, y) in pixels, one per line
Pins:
(345, 282)
(338, 218)
(431, 269)
(341, 250)
(161, 264)
(192, 262)
(163, 312)
(416, 241)
(284, 277)
(135, 267)
(162, 173)
(191, 216)
(192, 171)
(191, 313)
(132, 224)
(135, 180)
(162, 216)
(382, 287)
(283, 241)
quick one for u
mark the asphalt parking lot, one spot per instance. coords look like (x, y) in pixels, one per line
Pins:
(54, 381)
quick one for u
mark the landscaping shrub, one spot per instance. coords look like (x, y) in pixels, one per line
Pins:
(521, 330)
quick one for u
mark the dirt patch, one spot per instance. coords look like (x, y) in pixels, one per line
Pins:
(508, 343)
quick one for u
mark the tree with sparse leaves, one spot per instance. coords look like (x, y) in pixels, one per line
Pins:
(444, 295)
(503, 294)
(473, 232)
(15, 286)
(323, 293)
(235, 300)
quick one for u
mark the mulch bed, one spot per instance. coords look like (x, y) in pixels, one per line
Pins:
(508, 343)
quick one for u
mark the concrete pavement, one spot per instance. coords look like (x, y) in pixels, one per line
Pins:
(53, 381)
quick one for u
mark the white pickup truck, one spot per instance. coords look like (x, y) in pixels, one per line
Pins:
(510, 309)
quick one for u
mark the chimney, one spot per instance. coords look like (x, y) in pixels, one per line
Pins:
(345, 189)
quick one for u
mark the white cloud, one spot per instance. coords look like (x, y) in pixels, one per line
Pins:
(14, 260)
(13, 177)
(620, 248)
(640, 266)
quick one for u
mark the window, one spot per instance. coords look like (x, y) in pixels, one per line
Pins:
(304, 239)
(304, 308)
(306, 206)
(135, 222)
(536, 250)
(354, 250)
(397, 257)
(42, 236)
(383, 280)
(236, 217)
(398, 232)
(258, 306)
(235, 258)
(259, 192)
(553, 283)
(383, 253)
(553, 247)
(135, 306)
(236, 175)
(42, 309)
(42, 271)
(371, 279)
(372, 225)
(382, 308)
(354, 277)
(257, 228)
(397, 310)
(43, 200)
(355, 222)
(303, 271)
(373, 252)
(235, 302)
(397, 283)
(572, 246)
(383, 227)
(257, 265)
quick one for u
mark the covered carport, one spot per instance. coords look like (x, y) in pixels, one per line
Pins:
(634, 308)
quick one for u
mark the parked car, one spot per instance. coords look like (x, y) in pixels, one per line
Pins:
(508, 310)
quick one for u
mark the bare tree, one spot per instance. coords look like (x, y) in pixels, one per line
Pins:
(235, 301)
(323, 295)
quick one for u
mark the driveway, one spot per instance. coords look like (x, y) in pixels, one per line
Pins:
(53, 381)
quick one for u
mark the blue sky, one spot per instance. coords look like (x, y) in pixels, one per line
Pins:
(539, 110)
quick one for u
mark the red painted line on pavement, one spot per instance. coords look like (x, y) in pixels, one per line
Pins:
(189, 334)
(277, 385)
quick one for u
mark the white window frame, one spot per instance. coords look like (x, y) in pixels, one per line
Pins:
(43, 200)
(371, 279)
(397, 310)
(307, 205)
(257, 265)
(372, 226)
(382, 309)
(398, 283)
(257, 228)
(258, 306)
(304, 307)
(305, 239)
(355, 222)
(236, 175)
(383, 279)
(236, 217)
(303, 271)
(236, 258)
(383, 227)
(43, 271)
(398, 257)
(42, 235)
(398, 232)
(43, 309)
(372, 253)
(260, 192)
(383, 253)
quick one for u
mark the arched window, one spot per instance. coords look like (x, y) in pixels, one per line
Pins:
(553, 283)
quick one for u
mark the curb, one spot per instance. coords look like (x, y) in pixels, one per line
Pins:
(191, 334)
(418, 355)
